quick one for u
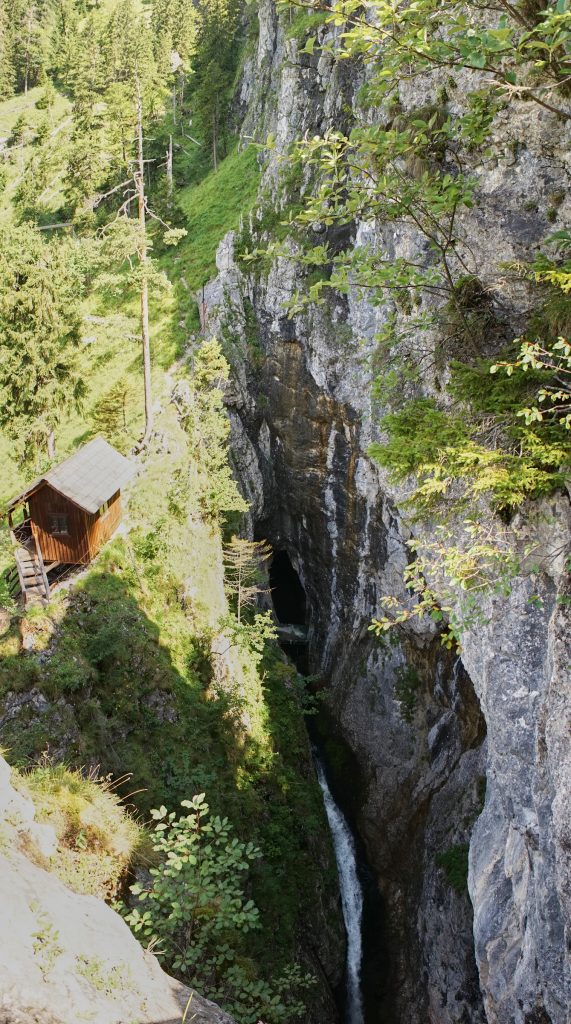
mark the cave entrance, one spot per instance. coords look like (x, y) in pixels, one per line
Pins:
(290, 606)
(288, 595)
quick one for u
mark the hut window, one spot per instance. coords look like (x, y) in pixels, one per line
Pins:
(104, 509)
(58, 523)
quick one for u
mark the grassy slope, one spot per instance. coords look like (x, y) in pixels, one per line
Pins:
(124, 661)
(125, 664)
(210, 209)
(214, 207)
(112, 349)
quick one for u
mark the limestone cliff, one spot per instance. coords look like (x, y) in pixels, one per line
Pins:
(302, 420)
(66, 957)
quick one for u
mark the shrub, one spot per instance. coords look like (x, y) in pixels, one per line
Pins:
(454, 863)
(406, 689)
(196, 912)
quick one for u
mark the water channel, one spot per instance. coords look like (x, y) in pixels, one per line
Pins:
(351, 896)
(363, 993)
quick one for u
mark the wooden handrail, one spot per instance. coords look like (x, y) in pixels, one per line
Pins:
(21, 579)
(43, 570)
(18, 544)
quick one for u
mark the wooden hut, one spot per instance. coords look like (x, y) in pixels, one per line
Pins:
(64, 518)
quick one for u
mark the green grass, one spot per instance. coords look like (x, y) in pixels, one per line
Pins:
(212, 208)
(97, 838)
(299, 23)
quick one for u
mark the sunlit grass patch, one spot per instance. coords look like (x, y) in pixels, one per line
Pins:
(97, 838)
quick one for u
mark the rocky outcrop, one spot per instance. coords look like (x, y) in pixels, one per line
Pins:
(520, 862)
(67, 958)
(299, 452)
(302, 420)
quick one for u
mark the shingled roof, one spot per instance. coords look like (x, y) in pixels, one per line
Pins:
(89, 477)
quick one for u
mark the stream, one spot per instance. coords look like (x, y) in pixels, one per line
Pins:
(351, 896)
(367, 955)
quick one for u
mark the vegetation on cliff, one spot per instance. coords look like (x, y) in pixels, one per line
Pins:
(140, 666)
(457, 439)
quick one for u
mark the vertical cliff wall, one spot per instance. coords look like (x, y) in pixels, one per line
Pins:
(480, 760)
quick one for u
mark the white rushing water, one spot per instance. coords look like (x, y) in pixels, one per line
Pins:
(351, 897)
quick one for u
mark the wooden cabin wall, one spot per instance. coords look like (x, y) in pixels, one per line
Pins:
(101, 527)
(71, 547)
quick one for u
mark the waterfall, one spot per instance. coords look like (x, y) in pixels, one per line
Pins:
(351, 896)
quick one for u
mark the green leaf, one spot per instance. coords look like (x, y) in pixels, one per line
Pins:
(309, 45)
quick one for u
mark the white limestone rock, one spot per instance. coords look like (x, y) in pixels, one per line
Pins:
(65, 958)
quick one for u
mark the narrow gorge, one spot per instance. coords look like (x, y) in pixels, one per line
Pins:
(478, 770)
(333, 624)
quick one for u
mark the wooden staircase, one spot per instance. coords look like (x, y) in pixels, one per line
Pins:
(28, 576)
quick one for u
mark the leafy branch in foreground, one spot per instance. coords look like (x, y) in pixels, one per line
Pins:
(555, 358)
(447, 581)
(523, 51)
(479, 442)
(195, 912)
(481, 449)
(550, 358)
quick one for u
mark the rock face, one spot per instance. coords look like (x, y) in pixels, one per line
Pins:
(302, 420)
(66, 958)
(520, 855)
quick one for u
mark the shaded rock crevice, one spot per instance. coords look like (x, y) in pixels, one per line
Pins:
(299, 455)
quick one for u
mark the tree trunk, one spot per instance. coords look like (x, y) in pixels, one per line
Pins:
(214, 137)
(169, 172)
(143, 255)
(51, 440)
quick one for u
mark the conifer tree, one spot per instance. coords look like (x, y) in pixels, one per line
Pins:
(243, 570)
(201, 410)
(7, 70)
(63, 38)
(28, 42)
(40, 284)
(214, 67)
(113, 412)
(129, 49)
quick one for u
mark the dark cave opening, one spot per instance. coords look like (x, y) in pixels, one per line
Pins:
(288, 595)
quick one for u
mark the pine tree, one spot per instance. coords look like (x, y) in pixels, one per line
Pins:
(40, 284)
(176, 22)
(244, 577)
(33, 183)
(29, 42)
(128, 50)
(63, 38)
(214, 67)
(112, 414)
(7, 69)
(201, 410)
